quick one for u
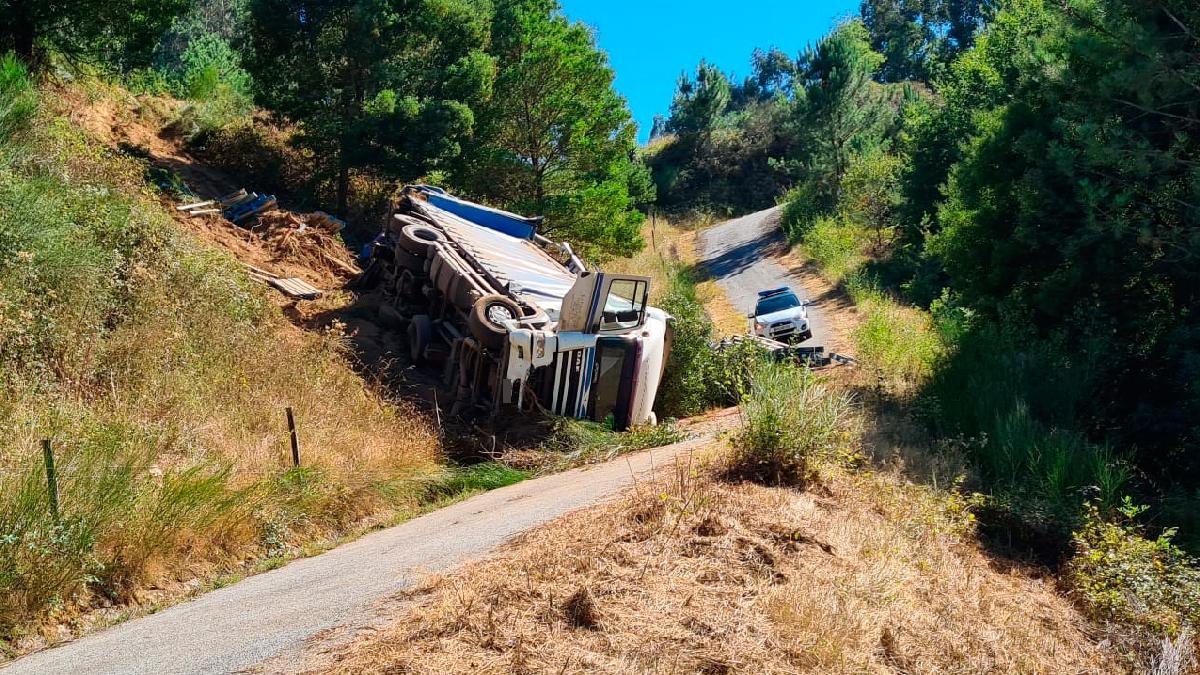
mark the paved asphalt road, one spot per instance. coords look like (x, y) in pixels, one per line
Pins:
(274, 616)
(737, 254)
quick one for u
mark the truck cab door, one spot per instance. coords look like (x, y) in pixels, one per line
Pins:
(604, 303)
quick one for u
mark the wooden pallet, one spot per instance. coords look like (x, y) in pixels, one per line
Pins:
(296, 288)
(289, 286)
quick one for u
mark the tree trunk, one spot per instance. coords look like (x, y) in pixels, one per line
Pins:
(22, 31)
(343, 184)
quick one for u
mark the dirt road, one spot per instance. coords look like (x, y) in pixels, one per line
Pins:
(742, 256)
(273, 617)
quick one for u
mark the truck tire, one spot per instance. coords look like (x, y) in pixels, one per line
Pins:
(416, 239)
(420, 334)
(409, 261)
(463, 293)
(486, 319)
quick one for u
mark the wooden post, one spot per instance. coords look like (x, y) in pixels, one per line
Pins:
(291, 419)
(51, 477)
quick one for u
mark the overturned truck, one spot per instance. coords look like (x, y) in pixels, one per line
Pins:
(518, 321)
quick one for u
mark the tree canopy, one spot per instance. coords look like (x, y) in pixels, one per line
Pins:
(555, 138)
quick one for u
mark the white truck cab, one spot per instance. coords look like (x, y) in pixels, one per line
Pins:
(779, 315)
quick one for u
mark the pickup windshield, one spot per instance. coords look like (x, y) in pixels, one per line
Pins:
(776, 303)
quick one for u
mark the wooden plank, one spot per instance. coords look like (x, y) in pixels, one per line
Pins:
(296, 288)
(189, 207)
(229, 199)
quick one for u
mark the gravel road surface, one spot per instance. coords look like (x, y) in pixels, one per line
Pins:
(280, 613)
(738, 254)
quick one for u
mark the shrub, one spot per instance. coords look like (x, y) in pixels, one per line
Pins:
(789, 420)
(1122, 575)
(209, 75)
(802, 207)
(898, 344)
(699, 375)
(836, 245)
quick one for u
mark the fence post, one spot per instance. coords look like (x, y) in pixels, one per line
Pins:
(291, 419)
(51, 477)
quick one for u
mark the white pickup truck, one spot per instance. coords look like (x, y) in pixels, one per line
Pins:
(516, 320)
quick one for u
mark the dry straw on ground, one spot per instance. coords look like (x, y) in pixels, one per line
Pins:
(868, 574)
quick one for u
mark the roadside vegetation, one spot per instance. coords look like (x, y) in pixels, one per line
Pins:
(1000, 189)
(159, 373)
(157, 369)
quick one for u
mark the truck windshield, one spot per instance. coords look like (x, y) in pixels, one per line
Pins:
(776, 303)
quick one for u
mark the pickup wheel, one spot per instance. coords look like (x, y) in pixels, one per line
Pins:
(486, 319)
(416, 239)
(420, 333)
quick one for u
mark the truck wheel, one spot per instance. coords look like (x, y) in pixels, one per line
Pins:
(486, 319)
(420, 333)
(463, 293)
(409, 261)
(416, 239)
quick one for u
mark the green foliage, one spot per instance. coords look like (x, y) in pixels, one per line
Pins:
(1122, 575)
(844, 112)
(790, 419)
(699, 104)
(835, 245)
(577, 442)
(373, 84)
(18, 100)
(698, 376)
(918, 37)
(121, 33)
(554, 138)
(1073, 206)
(459, 482)
(897, 343)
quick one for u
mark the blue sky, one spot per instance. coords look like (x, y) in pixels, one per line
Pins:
(649, 42)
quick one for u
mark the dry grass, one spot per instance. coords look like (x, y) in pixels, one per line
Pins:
(868, 574)
(669, 244)
(163, 384)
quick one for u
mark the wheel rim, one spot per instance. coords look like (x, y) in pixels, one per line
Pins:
(498, 314)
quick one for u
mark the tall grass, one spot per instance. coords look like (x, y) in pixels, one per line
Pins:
(790, 419)
(160, 372)
(897, 344)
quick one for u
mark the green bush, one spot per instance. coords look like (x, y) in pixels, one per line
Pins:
(802, 207)
(897, 343)
(836, 245)
(698, 376)
(210, 77)
(1122, 575)
(789, 420)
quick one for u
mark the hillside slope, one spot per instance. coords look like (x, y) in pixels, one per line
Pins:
(159, 371)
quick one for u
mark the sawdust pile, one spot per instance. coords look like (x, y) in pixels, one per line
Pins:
(694, 575)
(310, 240)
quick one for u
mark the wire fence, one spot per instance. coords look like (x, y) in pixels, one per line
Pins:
(47, 463)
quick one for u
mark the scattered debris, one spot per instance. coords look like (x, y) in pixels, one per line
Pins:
(309, 239)
(290, 286)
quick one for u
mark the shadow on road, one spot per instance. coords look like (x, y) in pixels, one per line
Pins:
(742, 256)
